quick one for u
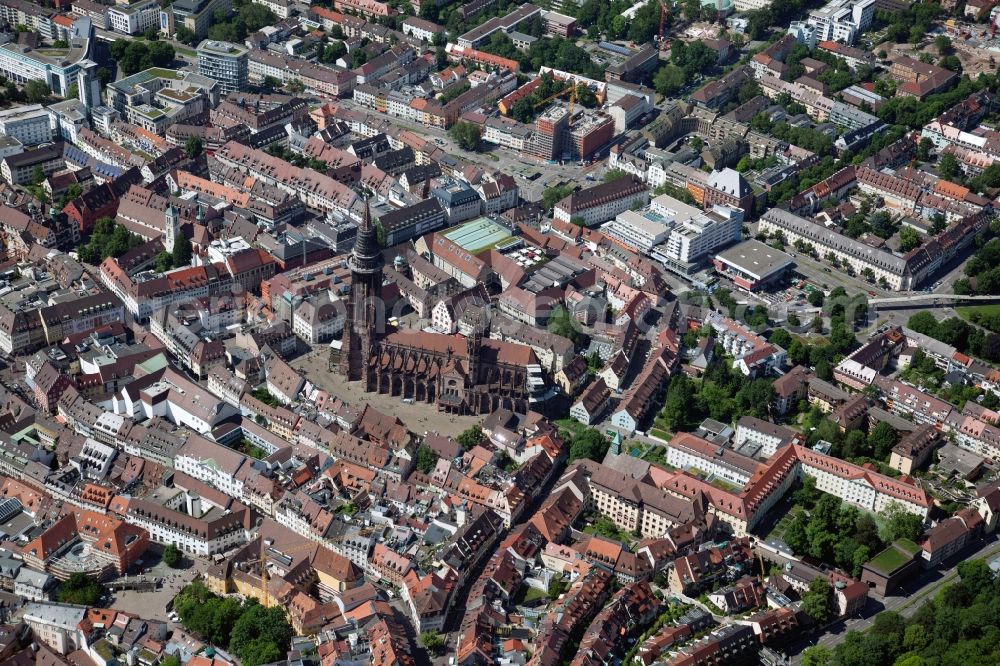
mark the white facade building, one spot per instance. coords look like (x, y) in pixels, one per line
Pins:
(842, 20)
(135, 18)
(28, 124)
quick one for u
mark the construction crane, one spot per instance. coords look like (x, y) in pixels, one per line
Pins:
(664, 10)
(552, 97)
(263, 559)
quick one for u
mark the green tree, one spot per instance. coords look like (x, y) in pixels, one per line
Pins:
(881, 440)
(185, 35)
(554, 195)
(614, 174)
(81, 589)
(677, 413)
(172, 556)
(923, 322)
(467, 135)
(470, 437)
(258, 624)
(161, 54)
(561, 322)
(193, 147)
(816, 600)
(36, 91)
(948, 167)
(589, 443)
(976, 574)
(557, 588)
(585, 96)
(257, 16)
(908, 239)
(898, 523)
(426, 459)
(433, 642)
(669, 79)
(815, 298)
(182, 251)
(817, 655)
(925, 149)
(260, 651)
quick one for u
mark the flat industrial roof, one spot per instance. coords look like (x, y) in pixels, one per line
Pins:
(478, 235)
(755, 258)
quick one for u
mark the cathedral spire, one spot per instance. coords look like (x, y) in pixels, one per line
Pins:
(366, 257)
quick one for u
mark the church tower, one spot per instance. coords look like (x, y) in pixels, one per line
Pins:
(173, 228)
(362, 323)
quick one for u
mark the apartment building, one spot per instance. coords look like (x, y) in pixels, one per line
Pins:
(508, 24)
(842, 20)
(35, 17)
(19, 169)
(860, 486)
(422, 29)
(317, 191)
(29, 124)
(896, 271)
(763, 438)
(752, 354)
(592, 403)
(57, 625)
(212, 463)
(315, 77)
(915, 448)
(602, 202)
(694, 234)
(686, 451)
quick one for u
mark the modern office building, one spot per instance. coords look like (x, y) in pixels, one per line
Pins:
(226, 63)
(196, 15)
(156, 98)
(135, 18)
(56, 67)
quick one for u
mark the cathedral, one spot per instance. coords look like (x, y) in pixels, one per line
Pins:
(461, 375)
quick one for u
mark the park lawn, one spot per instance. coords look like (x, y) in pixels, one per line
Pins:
(662, 434)
(533, 594)
(967, 310)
